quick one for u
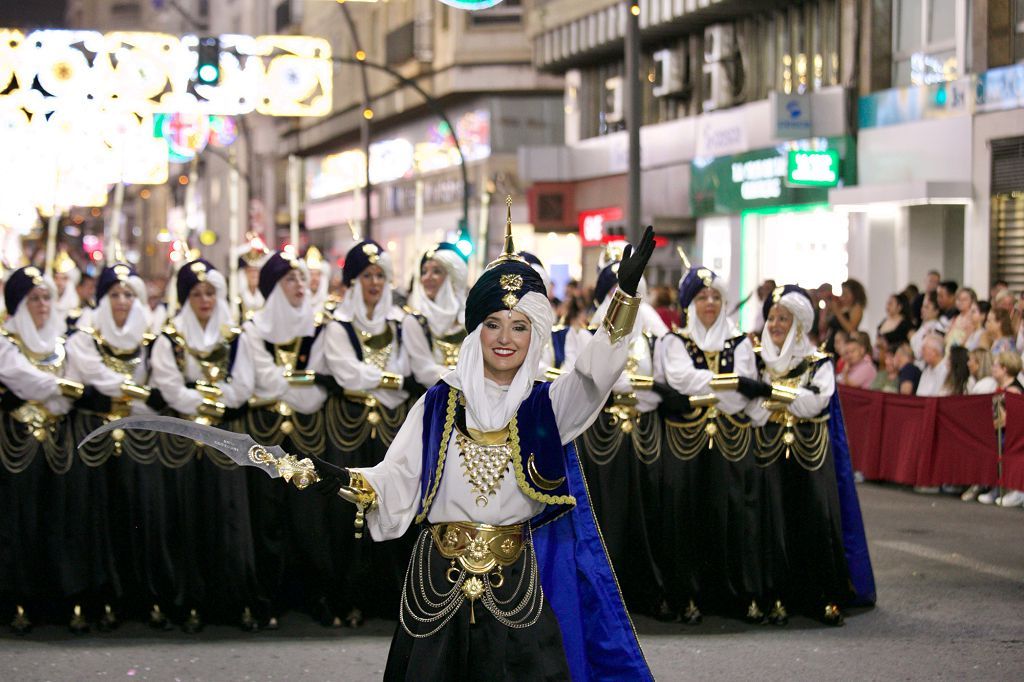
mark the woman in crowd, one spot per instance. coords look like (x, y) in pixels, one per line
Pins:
(434, 329)
(710, 543)
(887, 377)
(34, 399)
(508, 578)
(930, 322)
(1005, 368)
(999, 329)
(800, 446)
(979, 363)
(979, 338)
(896, 327)
(845, 312)
(111, 359)
(283, 340)
(962, 326)
(858, 369)
(365, 354)
(205, 373)
(959, 375)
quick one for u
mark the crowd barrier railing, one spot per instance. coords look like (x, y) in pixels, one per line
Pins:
(934, 441)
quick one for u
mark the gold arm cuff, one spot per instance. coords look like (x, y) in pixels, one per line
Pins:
(703, 400)
(725, 382)
(621, 315)
(359, 492)
(299, 378)
(783, 394)
(639, 382)
(390, 381)
(255, 403)
(209, 391)
(210, 408)
(552, 373)
(70, 389)
(133, 391)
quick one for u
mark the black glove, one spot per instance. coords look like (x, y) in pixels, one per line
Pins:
(326, 381)
(94, 401)
(672, 401)
(156, 401)
(332, 477)
(10, 402)
(631, 269)
(232, 413)
(752, 388)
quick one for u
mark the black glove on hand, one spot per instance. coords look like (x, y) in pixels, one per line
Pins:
(232, 413)
(634, 261)
(332, 477)
(94, 401)
(672, 401)
(10, 402)
(326, 381)
(752, 388)
(156, 401)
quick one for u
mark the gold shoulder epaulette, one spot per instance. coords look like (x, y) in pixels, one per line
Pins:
(148, 338)
(230, 332)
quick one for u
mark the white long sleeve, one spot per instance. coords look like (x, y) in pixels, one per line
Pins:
(807, 404)
(353, 374)
(422, 360)
(165, 376)
(269, 381)
(21, 377)
(86, 366)
(673, 366)
(650, 322)
(577, 396)
(237, 392)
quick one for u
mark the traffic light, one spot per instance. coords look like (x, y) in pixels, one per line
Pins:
(465, 242)
(208, 66)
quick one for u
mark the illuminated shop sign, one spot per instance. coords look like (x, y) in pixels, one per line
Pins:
(798, 172)
(594, 225)
(813, 168)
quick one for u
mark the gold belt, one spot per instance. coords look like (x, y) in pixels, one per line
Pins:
(478, 547)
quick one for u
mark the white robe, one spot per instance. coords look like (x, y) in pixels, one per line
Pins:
(673, 366)
(171, 382)
(270, 383)
(85, 365)
(426, 363)
(27, 382)
(576, 399)
(353, 374)
(807, 404)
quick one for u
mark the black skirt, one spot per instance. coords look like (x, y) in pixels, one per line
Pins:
(484, 650)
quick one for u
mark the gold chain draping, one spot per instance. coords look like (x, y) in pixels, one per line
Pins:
(807, 440)
(350, 422)
(604, 438)
(731, 434)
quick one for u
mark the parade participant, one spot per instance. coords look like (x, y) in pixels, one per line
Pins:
(33, 398)
(508, 578)
(709, 528)
(66, 277)
(365, 354)
(648, 318)
(813, 533)
(283, 342)
(204, 373)
(434, 328)
(156, 291)
(253, 255)
(619, 454)
(319, 270)
(109, 560)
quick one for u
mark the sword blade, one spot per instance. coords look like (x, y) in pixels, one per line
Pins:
(237, 446)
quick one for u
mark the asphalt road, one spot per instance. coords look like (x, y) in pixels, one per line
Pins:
(951, 599)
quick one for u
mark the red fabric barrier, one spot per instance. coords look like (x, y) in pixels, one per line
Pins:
(1013, 448)
(930, 441)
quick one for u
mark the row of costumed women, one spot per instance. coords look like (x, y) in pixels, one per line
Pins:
(717, 471)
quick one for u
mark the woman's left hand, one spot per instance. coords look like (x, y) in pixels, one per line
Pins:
(634, 261)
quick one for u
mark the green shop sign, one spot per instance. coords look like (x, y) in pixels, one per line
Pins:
(798, 172)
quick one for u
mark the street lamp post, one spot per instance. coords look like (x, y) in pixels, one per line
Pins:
(634, 107)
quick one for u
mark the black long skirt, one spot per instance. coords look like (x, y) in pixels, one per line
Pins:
(484, 650)
(621, 470)
(22, 559)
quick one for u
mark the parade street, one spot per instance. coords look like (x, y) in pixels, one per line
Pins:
(950, 591)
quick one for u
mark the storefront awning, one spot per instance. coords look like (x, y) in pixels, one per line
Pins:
(915, 192)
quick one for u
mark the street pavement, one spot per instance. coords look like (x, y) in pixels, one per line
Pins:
(950, 602)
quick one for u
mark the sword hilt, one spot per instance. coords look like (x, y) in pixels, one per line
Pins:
(301, 472)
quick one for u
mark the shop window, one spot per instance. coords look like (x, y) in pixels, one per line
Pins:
(929, 41)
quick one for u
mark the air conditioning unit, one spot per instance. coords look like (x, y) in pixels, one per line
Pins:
(614, 91)
(669, 73)
(719, 86)
(719, 42)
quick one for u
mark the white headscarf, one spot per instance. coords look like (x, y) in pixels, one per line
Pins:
(483, 412)
(251, 300)
(196, 336)
(797, 345)
(353, 308)
(68, 301)
(279, 321)
(713, 338)
(318, 297)
(449, 304)
(37, 340)
(137, 323)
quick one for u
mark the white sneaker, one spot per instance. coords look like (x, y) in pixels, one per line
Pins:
(971, 493)
(1014, 498)
(990, 497)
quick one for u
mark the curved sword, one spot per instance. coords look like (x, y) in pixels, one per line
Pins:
(240, 447)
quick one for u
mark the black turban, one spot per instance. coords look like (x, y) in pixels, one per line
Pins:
(500, 288)
(191, 274)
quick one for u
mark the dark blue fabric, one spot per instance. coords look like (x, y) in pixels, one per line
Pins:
(558, 345)
(359, 257)
(488, 294)
(606, 279)
(19, 284)
(575, 573)
(353, 338)
(189, 276)
(854, 540)
(111, 275)
(277, 266)
(695, 279)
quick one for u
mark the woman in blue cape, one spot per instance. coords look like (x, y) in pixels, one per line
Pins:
(508, 578)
